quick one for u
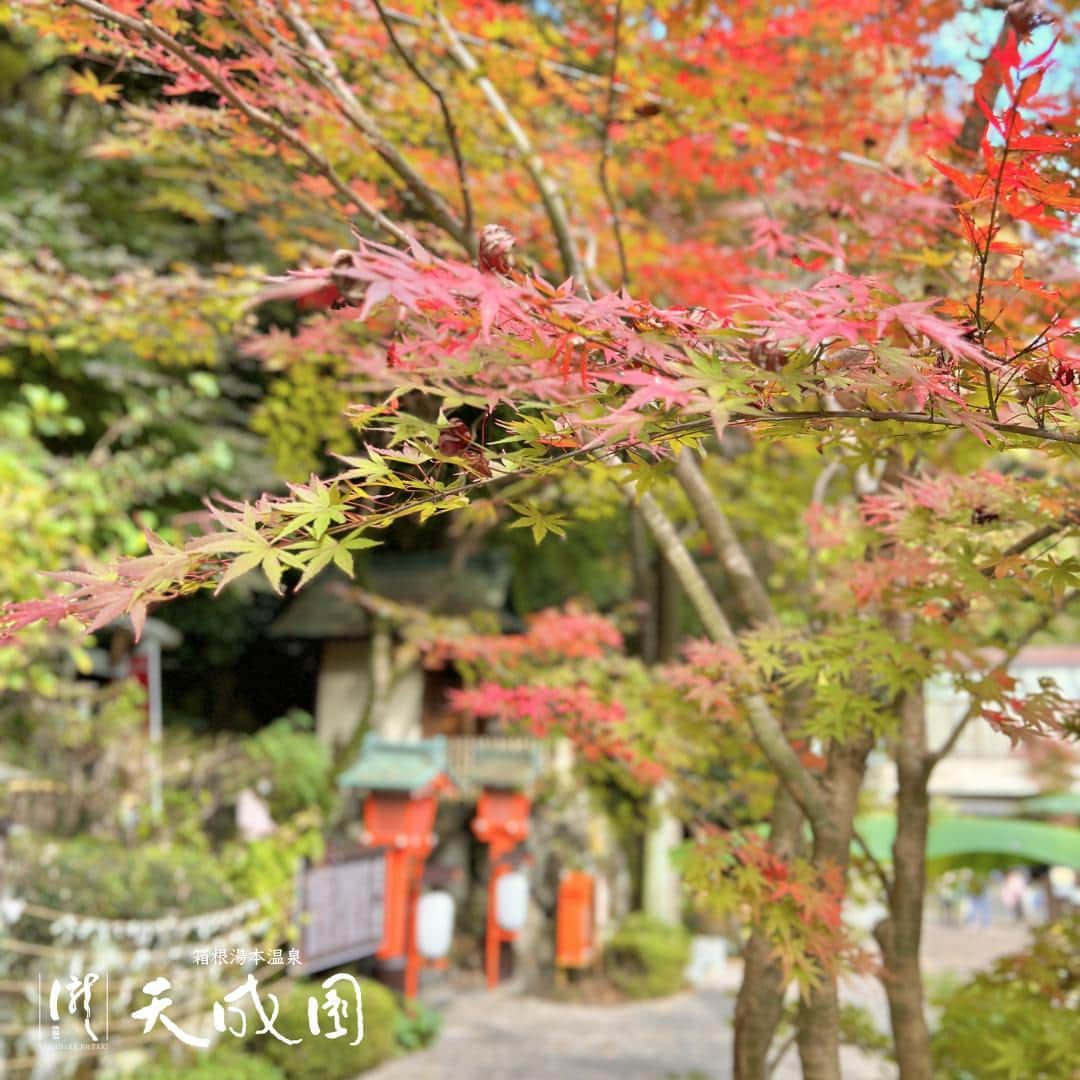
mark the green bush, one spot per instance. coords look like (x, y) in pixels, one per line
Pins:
(318, 1058)
(110, 879)
(223, 1062)
(417, 1026)
(646, 957)
(1017, 1021)
(297, 764)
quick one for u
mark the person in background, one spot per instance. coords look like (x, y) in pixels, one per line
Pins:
(1012, 892)
(981, 910)
(1035, 898)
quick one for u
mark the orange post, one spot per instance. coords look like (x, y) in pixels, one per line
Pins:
(501, 822)
(575, 920)
(402, 781)
(405, 826)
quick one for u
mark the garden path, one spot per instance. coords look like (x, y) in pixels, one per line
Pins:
(507, 1036)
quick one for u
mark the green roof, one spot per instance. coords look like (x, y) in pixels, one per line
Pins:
(388, 765)
(323, 609)
(1060, 802)
(1028, 841)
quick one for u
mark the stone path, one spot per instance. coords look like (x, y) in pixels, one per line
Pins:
(503, 1036)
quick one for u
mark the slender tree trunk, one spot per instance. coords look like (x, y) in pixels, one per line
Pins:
(819, 1009)
(645, 586)
(900, 934)
(761, 994)
(668, 596)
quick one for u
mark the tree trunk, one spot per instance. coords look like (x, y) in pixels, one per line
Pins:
(900, 934)
(645, 587)
(819, 1009)
(761, 993)
(668, 630)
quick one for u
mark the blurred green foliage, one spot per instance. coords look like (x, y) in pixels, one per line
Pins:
(221, 1062)
(109, 878)
(1016, 1021)
(116, 319)
(646, 957)
(324, 1059)
(297, 765)
(418, 1025)
(302, 418)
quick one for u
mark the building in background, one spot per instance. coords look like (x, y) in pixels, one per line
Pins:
(985, 774)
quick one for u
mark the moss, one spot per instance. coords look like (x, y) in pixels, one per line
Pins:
(328, 1059)
(223, 1062)
(646, 957)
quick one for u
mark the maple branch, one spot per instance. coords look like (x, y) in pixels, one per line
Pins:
(822, 482)
(549, 193)
(1033, 537)
(934, 757)
(781, 1053)
(881, 417)
(875, 863)
(947, 747)
(605, 149)
(725, 542)
(984, 255)
(149, 32)
(438, 211)
(768, 732)
(448, 124)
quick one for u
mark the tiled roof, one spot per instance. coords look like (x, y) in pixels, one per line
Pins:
(324, 609)
(387, 765)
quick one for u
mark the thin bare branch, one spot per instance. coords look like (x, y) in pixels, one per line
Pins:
(781, 1053)
(875, 863)
(605, 149)
(874, 416)
(577, 74)
(449, 126)
(437, 209)
(550, 195)
(725, 542)
(767, 729)
(1035, 536)
(984, 254)
(149, 32)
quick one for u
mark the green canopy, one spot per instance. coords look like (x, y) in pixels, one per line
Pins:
(1061, 802)
(1030, 841)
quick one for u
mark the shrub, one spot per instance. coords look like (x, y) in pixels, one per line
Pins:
(297, 764)
(223, 1062)
(111, 879)
(646, 957)
(1016, 1021)
(417, 1026)
(318, 1058)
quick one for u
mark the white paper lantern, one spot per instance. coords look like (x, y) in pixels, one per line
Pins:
(434, 924)
(511, 901)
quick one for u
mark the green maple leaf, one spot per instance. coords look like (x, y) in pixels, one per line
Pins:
(531, 517)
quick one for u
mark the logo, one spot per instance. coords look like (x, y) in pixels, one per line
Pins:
(83, 998)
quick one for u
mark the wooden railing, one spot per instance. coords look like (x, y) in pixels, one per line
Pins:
(463, 752)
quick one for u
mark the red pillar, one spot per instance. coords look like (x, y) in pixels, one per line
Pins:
(404, 825)
(501, 822)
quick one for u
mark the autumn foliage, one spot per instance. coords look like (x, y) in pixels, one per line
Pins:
(761, 272)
